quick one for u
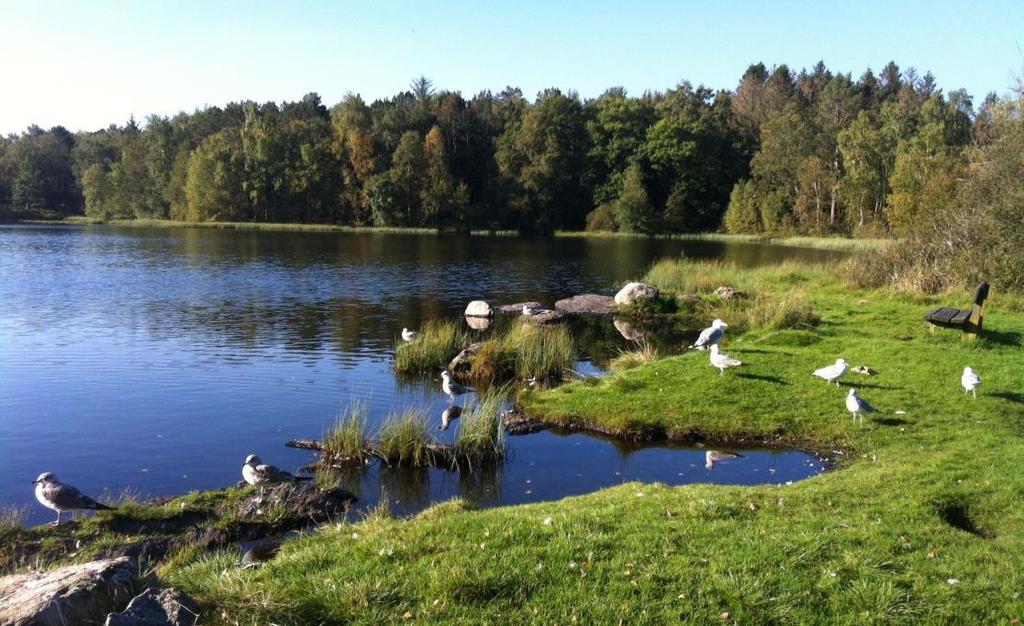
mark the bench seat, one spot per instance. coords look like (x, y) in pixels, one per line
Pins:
(947, 317)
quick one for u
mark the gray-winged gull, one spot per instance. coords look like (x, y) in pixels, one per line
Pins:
(832, 373)
(970, 381)
(257, 473)
(710, 336)
(409, 335)
(721, 360)
(451, 387)
(713, 456)
(857, 406)
(59, 497)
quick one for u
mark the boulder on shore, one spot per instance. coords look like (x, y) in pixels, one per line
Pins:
(587, 304)
(76, 594)
(464, 357)
(153, 607)
(636, 292)
(479, 308)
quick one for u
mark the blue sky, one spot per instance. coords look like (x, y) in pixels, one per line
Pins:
(88, 64)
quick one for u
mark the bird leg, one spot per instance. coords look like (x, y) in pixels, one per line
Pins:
(57, 523)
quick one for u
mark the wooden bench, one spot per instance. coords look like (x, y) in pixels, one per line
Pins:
(967, 320)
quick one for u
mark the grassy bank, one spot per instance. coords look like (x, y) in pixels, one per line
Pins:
(920, 523)
(825, 243)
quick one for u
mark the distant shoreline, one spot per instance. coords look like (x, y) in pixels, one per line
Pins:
(823, 243)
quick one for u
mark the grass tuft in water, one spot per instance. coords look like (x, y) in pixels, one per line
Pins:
(346, 439)
(645, 352)
(525, 351)
(437, 344)
(481, 435)
(404, 438)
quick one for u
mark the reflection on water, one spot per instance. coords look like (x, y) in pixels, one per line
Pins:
(157, 359)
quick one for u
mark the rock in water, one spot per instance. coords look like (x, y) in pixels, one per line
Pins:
(636, 292)
(517, 307)
(153, 607)
(76, 594)
(479, 308)
(478, 323)
(629, 331)
(465, 357)
(587, 304)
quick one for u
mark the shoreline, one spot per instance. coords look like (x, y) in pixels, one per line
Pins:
(842, 244)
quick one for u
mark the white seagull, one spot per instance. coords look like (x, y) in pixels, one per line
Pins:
(449, 414)
(857, 406)
(970, 381)
(832, 373)
(713, 456)
(710, 336)
(451, 387)
(529, 310)
(409, 335)
(721, 360)
(257, 473)
(59, 497)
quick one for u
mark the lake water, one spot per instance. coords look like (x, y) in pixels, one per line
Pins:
(155, 359)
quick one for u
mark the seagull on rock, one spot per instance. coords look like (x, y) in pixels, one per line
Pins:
(970, 381)
(710, 336)
(832, 373)
(713, 456)
(409, 335)
(529, 311)
(448, 415)
(722, 360)
(451, 387)
(857, 406)
(59, 497)
(257, 473)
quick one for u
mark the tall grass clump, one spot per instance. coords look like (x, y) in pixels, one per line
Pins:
(525, 351)
(481, 435)
(346, 439)
(404, 438)
(437, 344)
(645, 352)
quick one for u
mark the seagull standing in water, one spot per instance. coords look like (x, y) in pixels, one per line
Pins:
(857, 406)
(713, 456)
(832, 373)
(59, 497)
(259, 474)
(722, 360)
(451, 387)
(970, 381)
(710, 336)
(409, 335)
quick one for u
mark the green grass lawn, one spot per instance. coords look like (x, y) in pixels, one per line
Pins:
(921, 521)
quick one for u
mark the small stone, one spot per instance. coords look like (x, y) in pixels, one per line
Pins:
(169, 607)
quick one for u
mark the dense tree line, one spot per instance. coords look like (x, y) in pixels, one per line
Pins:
(810, 151)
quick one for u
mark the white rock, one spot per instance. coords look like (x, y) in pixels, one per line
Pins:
(634, 292)
(479, 308)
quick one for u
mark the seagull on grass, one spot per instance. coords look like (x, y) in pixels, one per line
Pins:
(713, 456)
(409, 335)
(710, 336)
(970, 381)
(832, 373)
(59, 497)
(449, 414)
(857, 406)
(722, 360)
(451, 387)
(259, 474)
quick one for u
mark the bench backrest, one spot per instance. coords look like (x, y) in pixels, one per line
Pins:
(978, 310)
(981, 294)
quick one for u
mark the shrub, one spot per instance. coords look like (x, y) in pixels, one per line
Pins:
(644, 353)
(346, 439)
(404, 438)
(481, 434)
(526, 350)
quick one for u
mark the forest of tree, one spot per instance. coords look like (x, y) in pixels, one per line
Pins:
(811, 152)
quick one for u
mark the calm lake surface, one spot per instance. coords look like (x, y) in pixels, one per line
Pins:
(156, 359)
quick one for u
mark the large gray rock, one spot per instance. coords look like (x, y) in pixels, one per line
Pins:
(465, 357)
(547, 316)
(76, 594)
(157, 607)
(517, 307)
(587, 304)
(636, 292)
(479, 308)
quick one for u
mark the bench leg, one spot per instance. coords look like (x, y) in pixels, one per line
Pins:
(931, 328)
